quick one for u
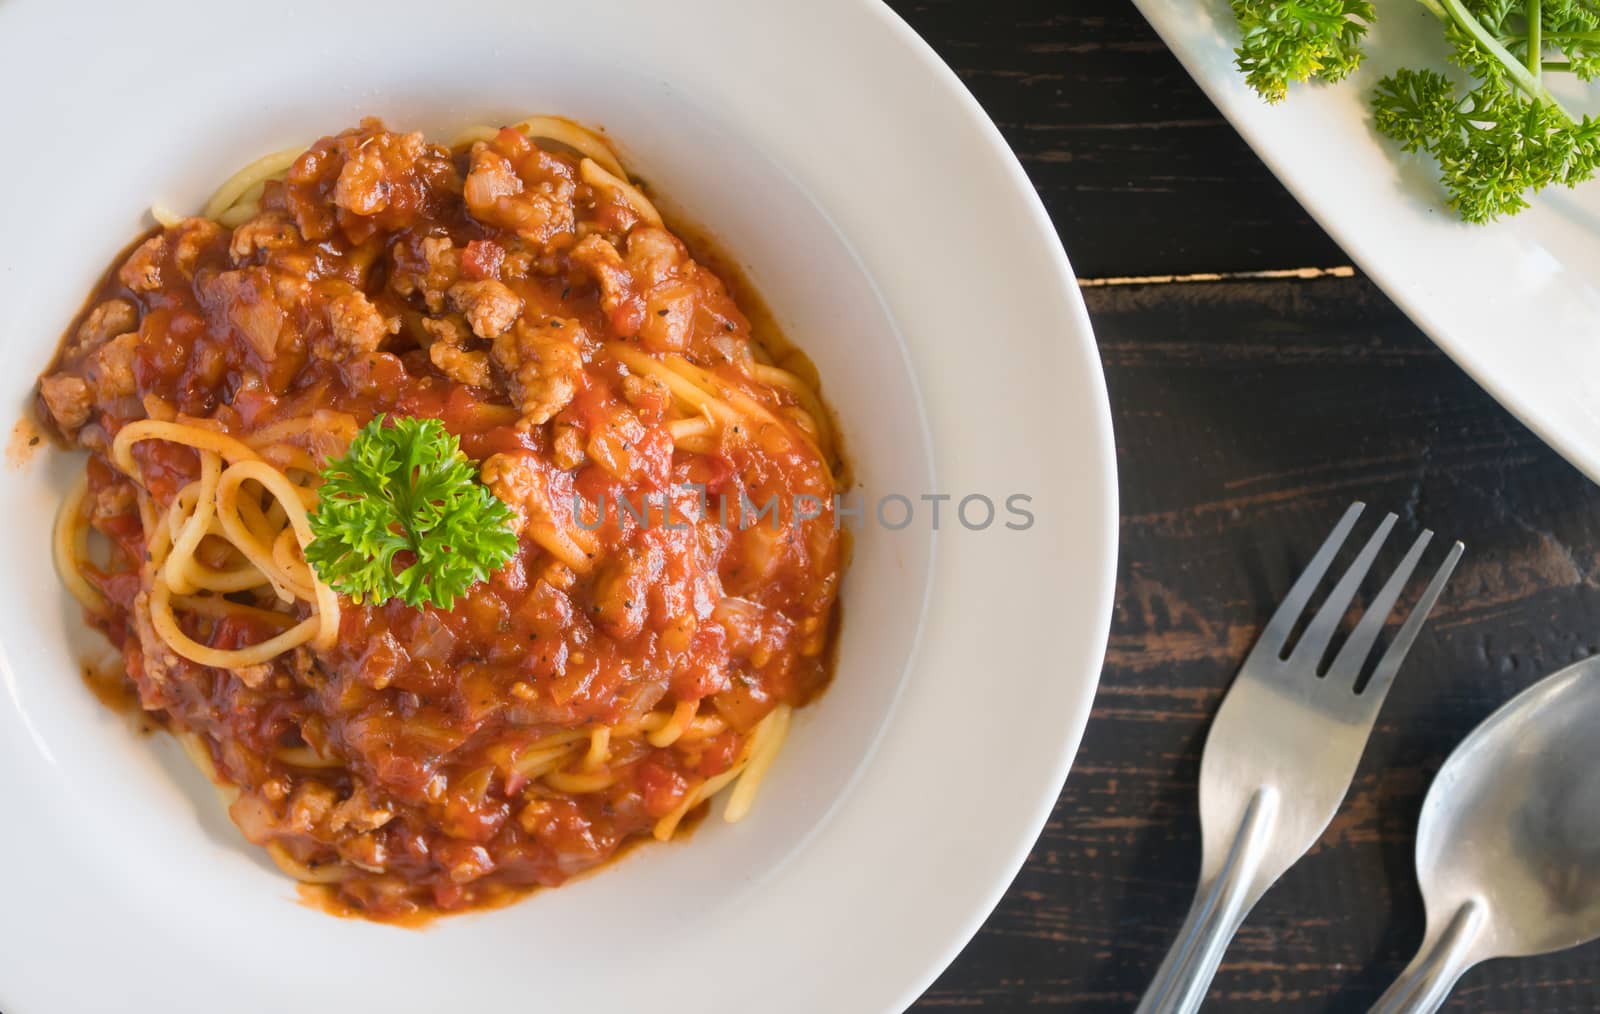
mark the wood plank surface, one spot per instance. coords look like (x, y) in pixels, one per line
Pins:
(1139, 171)
(1248, 416)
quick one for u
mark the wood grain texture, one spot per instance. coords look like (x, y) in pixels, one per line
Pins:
(1248, 416)
(1140, 172)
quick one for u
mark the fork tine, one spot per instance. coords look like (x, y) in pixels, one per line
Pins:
(1347, 664)
(1282, 623)
(1389, 664)
(1314, 642)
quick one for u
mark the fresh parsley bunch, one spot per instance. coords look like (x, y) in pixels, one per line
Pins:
(1298, 41)
(1499, 139)
(405, 494)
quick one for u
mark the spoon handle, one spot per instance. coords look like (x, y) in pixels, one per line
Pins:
(1220, 905)
(1443, 957)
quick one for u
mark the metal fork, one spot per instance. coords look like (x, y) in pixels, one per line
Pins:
(1283, 749)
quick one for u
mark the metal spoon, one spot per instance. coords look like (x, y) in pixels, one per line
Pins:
(1508, 851)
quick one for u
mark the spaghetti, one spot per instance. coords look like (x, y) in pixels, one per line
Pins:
(604, 684)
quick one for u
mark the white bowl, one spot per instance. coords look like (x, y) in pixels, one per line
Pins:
(897, 241)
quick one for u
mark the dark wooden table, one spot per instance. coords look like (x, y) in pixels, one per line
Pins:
(1248, 413)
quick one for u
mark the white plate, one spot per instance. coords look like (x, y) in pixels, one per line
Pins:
(898, 242)
(1515, 303)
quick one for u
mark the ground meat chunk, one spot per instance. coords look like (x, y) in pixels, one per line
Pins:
(107, 320)
(460, 365)
(359, 813)
(655, 256)
(68, 399)
(543, 366)
(158, 664)
(514, 185)
(518, 263)
(190, 238)
(605, 265)
(449, 330)
(368, 180)
(369, 171)
(141, 272)
(646, 292)
(110, 369)
(355, 327)
(489, 306)
(449, 354)
(310, 806)
(520, 480)
(567, 446)
(427, 267)
(268, 231)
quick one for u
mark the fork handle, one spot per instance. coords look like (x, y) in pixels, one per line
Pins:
(1220, 905)
(1425, 984)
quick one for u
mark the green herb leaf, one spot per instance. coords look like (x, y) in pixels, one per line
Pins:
(1497, 140)
(403, 515)
(1286, 42)
(1492, 145)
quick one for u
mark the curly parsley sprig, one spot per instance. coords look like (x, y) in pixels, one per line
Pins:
(1499, 139)
(1299, 40)
(403, 515)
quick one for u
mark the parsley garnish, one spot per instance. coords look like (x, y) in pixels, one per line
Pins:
(1299, 40)
(1496, 140)
(403, 515)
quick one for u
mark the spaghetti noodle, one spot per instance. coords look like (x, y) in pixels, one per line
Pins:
(604, 684)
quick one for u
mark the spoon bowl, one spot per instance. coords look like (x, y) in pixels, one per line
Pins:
(1508, 849)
